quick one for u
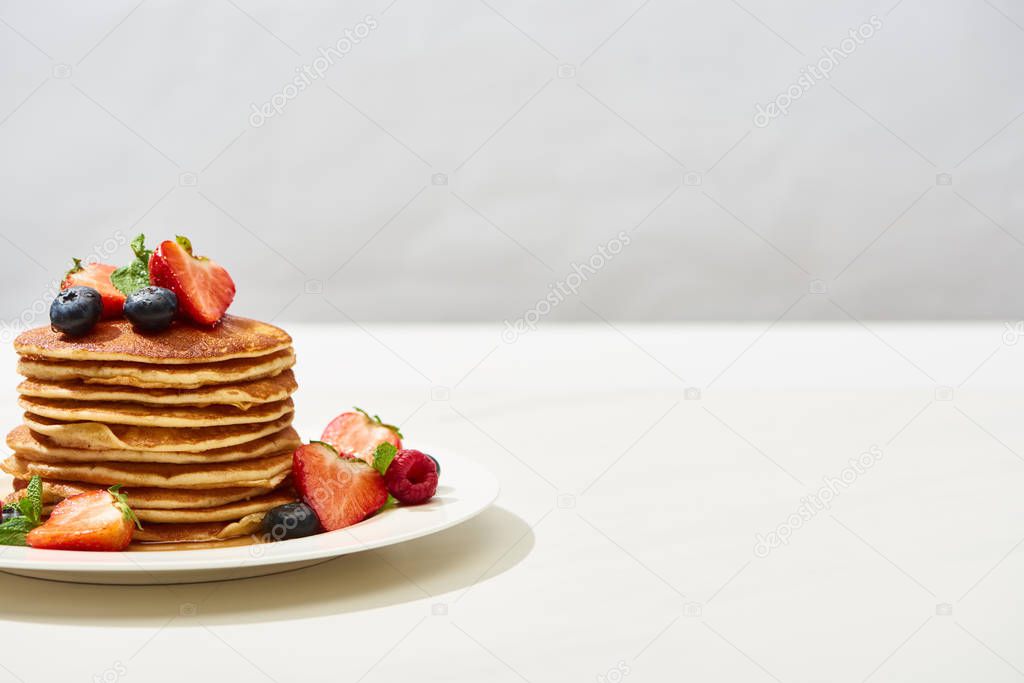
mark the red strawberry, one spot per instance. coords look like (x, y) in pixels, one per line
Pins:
(341, 490)
(204, 289)
(358, 434)
(94, 520)
(97, 276)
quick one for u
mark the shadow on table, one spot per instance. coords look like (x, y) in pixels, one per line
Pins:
(457, 559)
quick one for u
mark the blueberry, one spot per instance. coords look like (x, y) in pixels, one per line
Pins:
(75, 311)
(436, 463)
(151, 309)
(10, 512)
(291, 520)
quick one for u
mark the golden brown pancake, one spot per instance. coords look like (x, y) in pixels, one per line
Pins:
(96, 436)
(266, 390)
(194, 422)
(40, 448)
(182, 343)
(199, 545)
(220, 513)
(146, 498)
(257, 472)
(115, 413)
(150, 376)
(192, 533)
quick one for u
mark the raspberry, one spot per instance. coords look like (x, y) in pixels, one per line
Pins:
(412, 477)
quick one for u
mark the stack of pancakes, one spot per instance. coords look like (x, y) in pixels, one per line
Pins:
(194, 423)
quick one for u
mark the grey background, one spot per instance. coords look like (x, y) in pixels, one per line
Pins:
(329, 210)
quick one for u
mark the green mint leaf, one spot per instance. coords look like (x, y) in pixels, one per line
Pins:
(133, 277)
(31, 506)
(14, 531)
(24, 507)
(12, 538)
(121, 502)
(35, 491)
(22, 524)
(383, 456)
(139, 248)
(391, 502)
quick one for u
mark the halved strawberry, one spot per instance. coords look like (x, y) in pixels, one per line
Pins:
(204, 288)
(358, 434)
(97, 276)
(341, 490)
(94, 520)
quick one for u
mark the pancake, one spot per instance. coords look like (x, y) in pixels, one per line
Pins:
(96, 436)
(143, 497)
(220, 513)
(199, 545)
(151, 376)
(192, 533)
(194, 422)
(114, 413)
(266, 390)
(259, 472)
(40, 448)
(182, 343)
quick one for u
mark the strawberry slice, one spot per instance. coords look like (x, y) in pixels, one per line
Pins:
(97, 276)
(341, 490)
(94, 520)
(204, 288)
(358, 434)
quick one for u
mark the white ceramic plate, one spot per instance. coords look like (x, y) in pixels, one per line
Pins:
(465, 490)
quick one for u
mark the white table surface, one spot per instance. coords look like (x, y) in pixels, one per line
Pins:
(622, 546)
